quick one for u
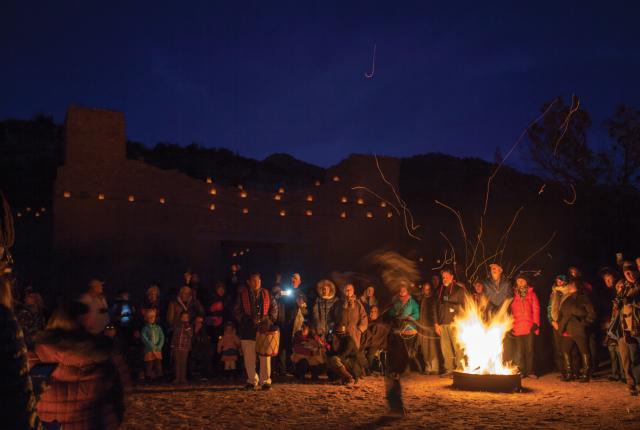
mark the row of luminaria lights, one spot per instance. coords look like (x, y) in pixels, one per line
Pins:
(317, 183)
(28, 210)
(212, 206)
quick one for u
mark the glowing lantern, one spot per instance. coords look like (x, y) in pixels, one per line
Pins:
(383, 204)
(243, 194)
(131, 198)
(241, 252)
(309, 198)
(245, 211)
(317, 183)
(308, 212)
(277, 197)
(209, 180)
(101, 196)
(280, 190)
(213, 191)
(212, 207)
(343, 200)
(360, 201)
(28, 209)
(336, 179)
(235, 254)
(162, 200)
(247, 250)
(369, 215)
(240, 187)
(389, 214)
(283, 212)
(19, 214)
(42, 209)
(66, 194)
(343, 215)
(37, 214)
(421, 259)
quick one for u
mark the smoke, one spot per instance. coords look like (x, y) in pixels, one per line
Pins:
(395, 270)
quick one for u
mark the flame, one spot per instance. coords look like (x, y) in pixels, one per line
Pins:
(482, 340)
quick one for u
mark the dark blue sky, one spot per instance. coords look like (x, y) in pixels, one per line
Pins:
(263, 77)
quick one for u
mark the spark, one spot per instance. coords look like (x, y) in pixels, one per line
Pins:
(575, 196)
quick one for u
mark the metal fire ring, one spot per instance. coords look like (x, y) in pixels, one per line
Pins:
(493, 383)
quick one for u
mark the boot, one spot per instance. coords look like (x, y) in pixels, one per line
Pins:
(566, 373)
(585, 372)
(346, 376)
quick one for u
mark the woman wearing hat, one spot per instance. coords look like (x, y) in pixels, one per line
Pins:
(575, 316)
(525, 309)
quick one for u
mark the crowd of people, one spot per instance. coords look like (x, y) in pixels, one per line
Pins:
(241, 329)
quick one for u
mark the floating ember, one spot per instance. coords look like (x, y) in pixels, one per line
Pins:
(480, 336)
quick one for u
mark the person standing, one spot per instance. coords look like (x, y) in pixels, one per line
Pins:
(497, 287)
(627, 304)
(254, 310)
(609, 313)
(180, 347)
(185, 302)
(559, 292)
(30, 315)
(349, 312)
(98, 316)
(427, 338)
(405, 313)
(322, 312)
(525, 309)
(368, 298)
(575, 316)
(451, 299)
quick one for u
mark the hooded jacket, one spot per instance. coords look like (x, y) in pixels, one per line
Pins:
(526, 313)
(322, 310)
(351, 314)
(85, 389)
(558, 295)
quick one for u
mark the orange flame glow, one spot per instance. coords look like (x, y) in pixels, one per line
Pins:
(482, 340)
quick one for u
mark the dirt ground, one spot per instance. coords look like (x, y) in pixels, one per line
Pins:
(546, 403)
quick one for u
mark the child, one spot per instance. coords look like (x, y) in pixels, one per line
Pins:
(308, 353)
(153, 340)
(201, 349)
(229, 347)
(180, 347)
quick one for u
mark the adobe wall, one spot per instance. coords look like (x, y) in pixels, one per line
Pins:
(169, 225)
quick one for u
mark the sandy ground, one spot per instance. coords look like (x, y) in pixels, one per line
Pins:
(546, 403)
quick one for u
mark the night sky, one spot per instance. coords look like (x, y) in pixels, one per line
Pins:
(263, 77)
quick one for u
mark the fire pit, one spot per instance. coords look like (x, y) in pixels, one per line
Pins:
(493, 383)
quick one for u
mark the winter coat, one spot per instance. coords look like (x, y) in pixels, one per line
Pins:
(17, 399)
(229, 347)
(322, 311)
(576, 314)
(405, 314)
(375, 338)
(181, 338)
(254, 311)
(152, 338)
(177, 306)
(526, 313)
(450, 302)
(217, 312)
(85, 390)
(497, 292)
(428, 311)
(351, 314)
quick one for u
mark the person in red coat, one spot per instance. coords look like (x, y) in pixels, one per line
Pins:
(525, 309)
